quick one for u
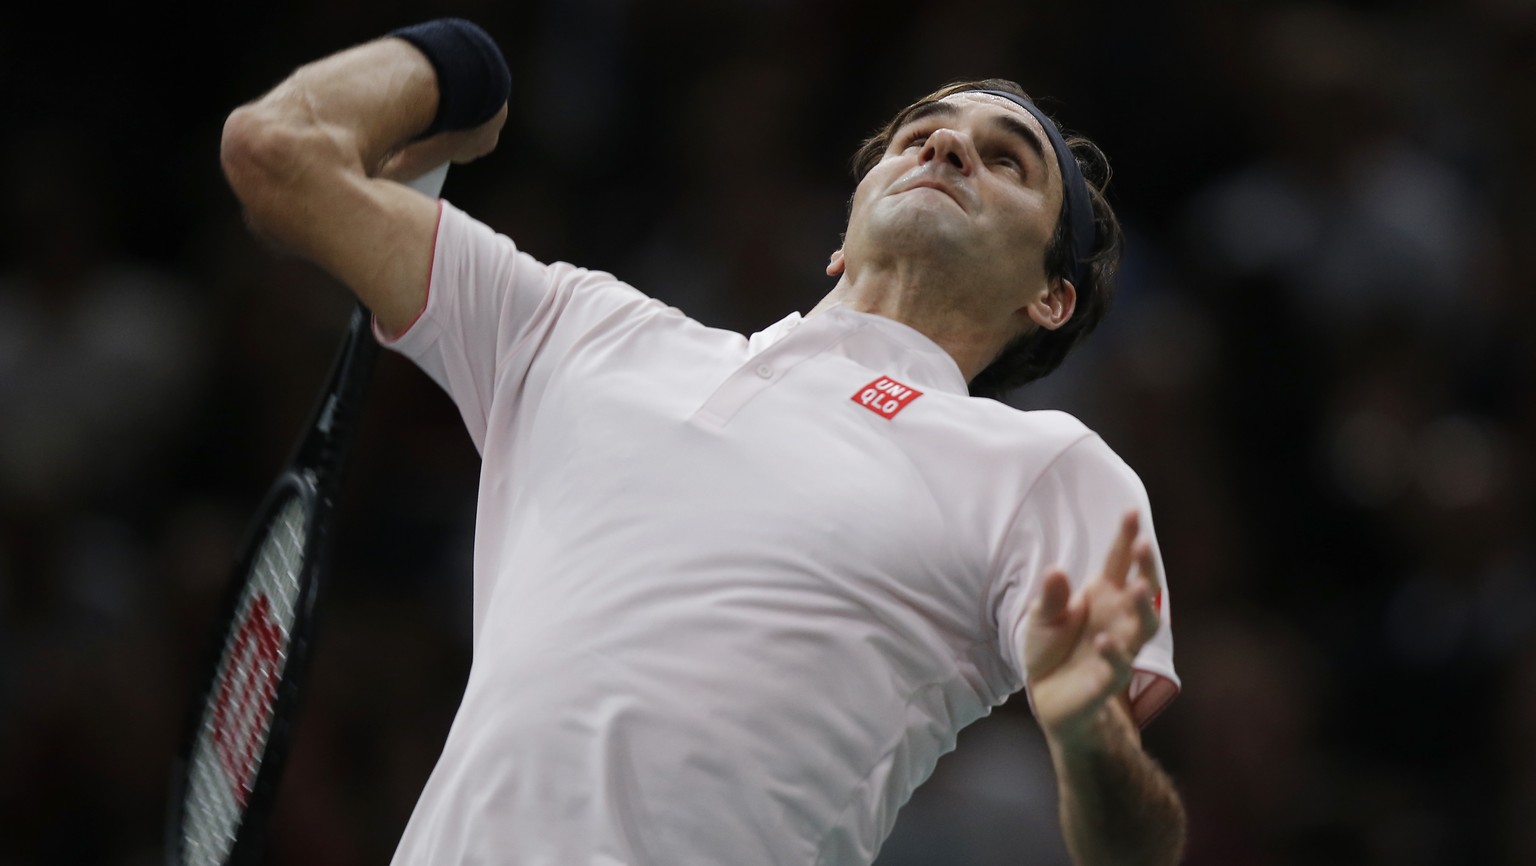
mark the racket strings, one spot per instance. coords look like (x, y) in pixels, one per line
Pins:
(233, 733)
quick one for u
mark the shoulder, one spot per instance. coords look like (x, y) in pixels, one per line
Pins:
(470, 251)
(1084, 471)
(1052, 425)
(992, 413)
(1041, 455)
(1050, 443)
(1005, 432)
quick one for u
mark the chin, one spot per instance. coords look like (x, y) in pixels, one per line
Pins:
(922, 228)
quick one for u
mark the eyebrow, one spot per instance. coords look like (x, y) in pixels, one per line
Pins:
(1022, 130)
(1010, 124)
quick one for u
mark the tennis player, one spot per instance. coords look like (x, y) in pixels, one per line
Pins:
(735, 595)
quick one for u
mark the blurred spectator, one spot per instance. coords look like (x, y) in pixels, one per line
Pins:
(1516, 719)
(100, 355)
(102, 359)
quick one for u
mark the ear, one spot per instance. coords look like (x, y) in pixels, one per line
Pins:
(1055, 306)
(835, 265)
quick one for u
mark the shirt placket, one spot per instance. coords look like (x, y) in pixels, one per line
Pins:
(764, 370)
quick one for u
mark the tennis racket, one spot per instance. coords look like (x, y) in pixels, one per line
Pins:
(243, 714)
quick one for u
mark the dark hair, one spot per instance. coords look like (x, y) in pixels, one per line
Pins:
(1037, 351)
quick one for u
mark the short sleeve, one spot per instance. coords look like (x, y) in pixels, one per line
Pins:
(1069, 518)
(492, 311)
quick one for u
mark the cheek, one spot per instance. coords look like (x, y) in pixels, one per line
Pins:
(1029, 231)
(860, 205)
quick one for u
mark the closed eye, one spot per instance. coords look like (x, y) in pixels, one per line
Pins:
(1009, 162)
(914, 138)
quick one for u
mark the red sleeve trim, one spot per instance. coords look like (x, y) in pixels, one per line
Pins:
(1153, 697)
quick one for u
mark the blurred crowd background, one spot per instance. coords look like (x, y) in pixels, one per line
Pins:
(1320, 362)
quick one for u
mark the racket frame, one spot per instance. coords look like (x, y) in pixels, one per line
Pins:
(314, 472)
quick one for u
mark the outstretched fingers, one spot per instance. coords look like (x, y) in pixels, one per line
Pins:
(1055, 596)
(1146, 591)
(1129, 614)
(1118, 564)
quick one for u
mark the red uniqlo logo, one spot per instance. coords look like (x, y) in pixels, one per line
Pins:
(886, 396)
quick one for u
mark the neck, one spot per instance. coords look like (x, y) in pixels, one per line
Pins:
(971, 336)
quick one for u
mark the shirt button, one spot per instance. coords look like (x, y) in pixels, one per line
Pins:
(765, 371)
(792, 325)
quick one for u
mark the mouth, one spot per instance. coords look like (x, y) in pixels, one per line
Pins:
(933, 184)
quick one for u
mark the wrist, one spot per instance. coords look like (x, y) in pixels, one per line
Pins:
(1096, 733)
(473, 81)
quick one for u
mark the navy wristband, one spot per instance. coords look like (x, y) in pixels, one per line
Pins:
(473, 81)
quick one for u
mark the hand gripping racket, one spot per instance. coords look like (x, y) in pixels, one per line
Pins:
(243, 713)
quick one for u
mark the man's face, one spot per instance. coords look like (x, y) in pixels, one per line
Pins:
(969, 187)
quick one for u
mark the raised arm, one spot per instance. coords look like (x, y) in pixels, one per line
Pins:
(316, 161)
(1117, 804)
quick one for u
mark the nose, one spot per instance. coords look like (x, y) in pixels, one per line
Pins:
(949, 146)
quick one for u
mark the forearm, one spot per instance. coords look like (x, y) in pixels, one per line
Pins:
(1118, 806)
(337, 117)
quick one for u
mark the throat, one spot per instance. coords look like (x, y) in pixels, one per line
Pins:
(970, 336)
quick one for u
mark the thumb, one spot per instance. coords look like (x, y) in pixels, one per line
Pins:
(1055, 595)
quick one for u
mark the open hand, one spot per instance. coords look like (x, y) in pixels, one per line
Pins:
(1078, 647)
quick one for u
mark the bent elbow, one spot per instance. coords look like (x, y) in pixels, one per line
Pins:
(278, 162)
(259, 161)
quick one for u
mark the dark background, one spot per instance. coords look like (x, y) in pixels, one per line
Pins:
(1319, 362)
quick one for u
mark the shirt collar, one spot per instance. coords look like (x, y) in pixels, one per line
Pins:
(886, 345)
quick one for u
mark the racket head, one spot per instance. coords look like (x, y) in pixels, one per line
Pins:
(242, 718)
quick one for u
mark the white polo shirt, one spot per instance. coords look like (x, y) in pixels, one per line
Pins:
(733, 597)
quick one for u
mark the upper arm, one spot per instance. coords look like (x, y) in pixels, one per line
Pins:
(376, 237)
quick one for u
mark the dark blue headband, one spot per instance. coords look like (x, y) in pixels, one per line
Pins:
(1081, 233)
